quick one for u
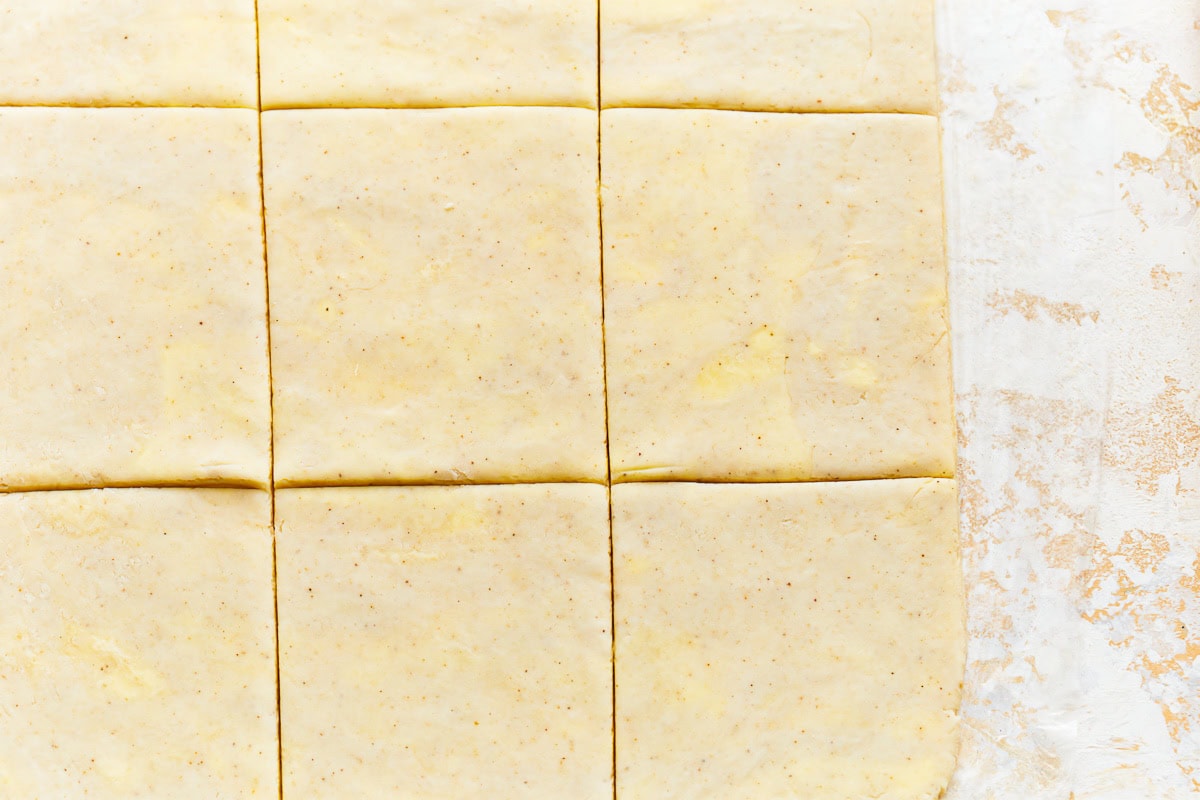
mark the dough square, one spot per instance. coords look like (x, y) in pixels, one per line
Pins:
(137, 645)
(775, 295)
(128, 53)
(132, 298)
(427, 53)
(435, 295)
(787, 640)
(769, 55)
(442, 641)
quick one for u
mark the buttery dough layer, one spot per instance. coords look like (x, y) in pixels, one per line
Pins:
(775, 296)
(435, 295)
(445, 642)
(132, 298)
(788, 640)
(137, 645)
(782, 55)
(128, 52)
(415, 53)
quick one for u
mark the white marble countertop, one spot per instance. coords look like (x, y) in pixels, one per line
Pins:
(1072, 152)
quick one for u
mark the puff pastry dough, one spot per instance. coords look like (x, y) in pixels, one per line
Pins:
(769, 55)
(133, 298)
(799, 640)
(137, 645)
(445, 642)
(128, 53)
(775, 296)
(435, 295)
(425, 53)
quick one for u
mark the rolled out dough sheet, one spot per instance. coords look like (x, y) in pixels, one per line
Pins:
(770, 55)
(128, 52)
(435, 295)
(137, 645)
(423, 53)
(132, 298)
(787, 640)
(445, 642)
(775, 296)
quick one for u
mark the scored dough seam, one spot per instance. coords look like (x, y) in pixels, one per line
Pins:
(262, 205)
(612, 571)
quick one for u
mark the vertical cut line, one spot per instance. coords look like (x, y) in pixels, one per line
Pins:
(612, 575)
(262, 205)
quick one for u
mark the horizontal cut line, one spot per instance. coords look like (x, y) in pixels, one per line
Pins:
(618, 480)
(126, 106)
(85, 487)
(823, 482)
(252, 486)
(427, 107)
(283, 486)
(152, 106)
(792, 112)
(569, 482)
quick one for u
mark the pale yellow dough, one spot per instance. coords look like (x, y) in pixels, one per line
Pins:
(137, 652)
(435, 295)
(132, 298)
(422, 53)
(128, 52)
(778, 55)
(445, 642)
(801, 640)
(775, 296)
